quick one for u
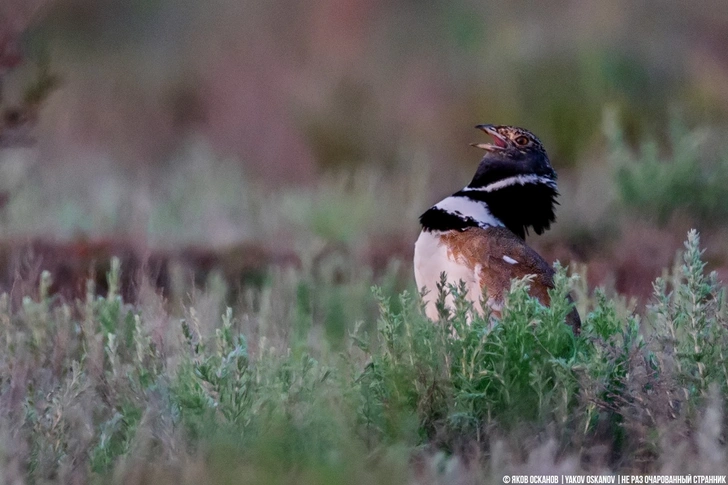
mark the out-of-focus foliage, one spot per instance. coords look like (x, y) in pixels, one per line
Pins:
(344, 83)
(688, 174)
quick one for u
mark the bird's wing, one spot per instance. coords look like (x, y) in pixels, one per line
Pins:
(508, 257)
(498, 255)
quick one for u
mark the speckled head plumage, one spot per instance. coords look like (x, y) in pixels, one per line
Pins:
(506, 138)
(514, 151)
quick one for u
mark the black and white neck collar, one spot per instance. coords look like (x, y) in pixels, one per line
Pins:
(518, 202)
(458, 212)
(512, 181)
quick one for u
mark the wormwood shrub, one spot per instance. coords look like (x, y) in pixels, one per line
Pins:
(452, 380)
(616, 372)
(691, 326)
(277, 400)
(654, 373)
(468, 375)
(101, 386)
(87, 386)
(76, 379)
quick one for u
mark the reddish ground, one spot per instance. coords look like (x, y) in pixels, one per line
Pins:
(628, 265)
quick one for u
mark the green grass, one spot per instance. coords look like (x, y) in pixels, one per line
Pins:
(160, 391)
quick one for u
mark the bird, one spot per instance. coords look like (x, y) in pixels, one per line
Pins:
(477, 235)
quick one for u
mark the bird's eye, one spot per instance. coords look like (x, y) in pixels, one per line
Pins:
(521, 140)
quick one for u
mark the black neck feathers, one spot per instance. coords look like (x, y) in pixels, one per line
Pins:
(519, 206)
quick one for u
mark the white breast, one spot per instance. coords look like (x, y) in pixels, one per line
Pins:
(432, 258)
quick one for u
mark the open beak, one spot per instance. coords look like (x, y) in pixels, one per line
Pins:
(499, 141)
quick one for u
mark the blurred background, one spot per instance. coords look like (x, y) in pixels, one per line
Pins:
(232, 137)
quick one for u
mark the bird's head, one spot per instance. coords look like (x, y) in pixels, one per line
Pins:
(514, 151)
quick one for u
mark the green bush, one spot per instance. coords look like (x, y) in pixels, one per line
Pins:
(105, 389)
